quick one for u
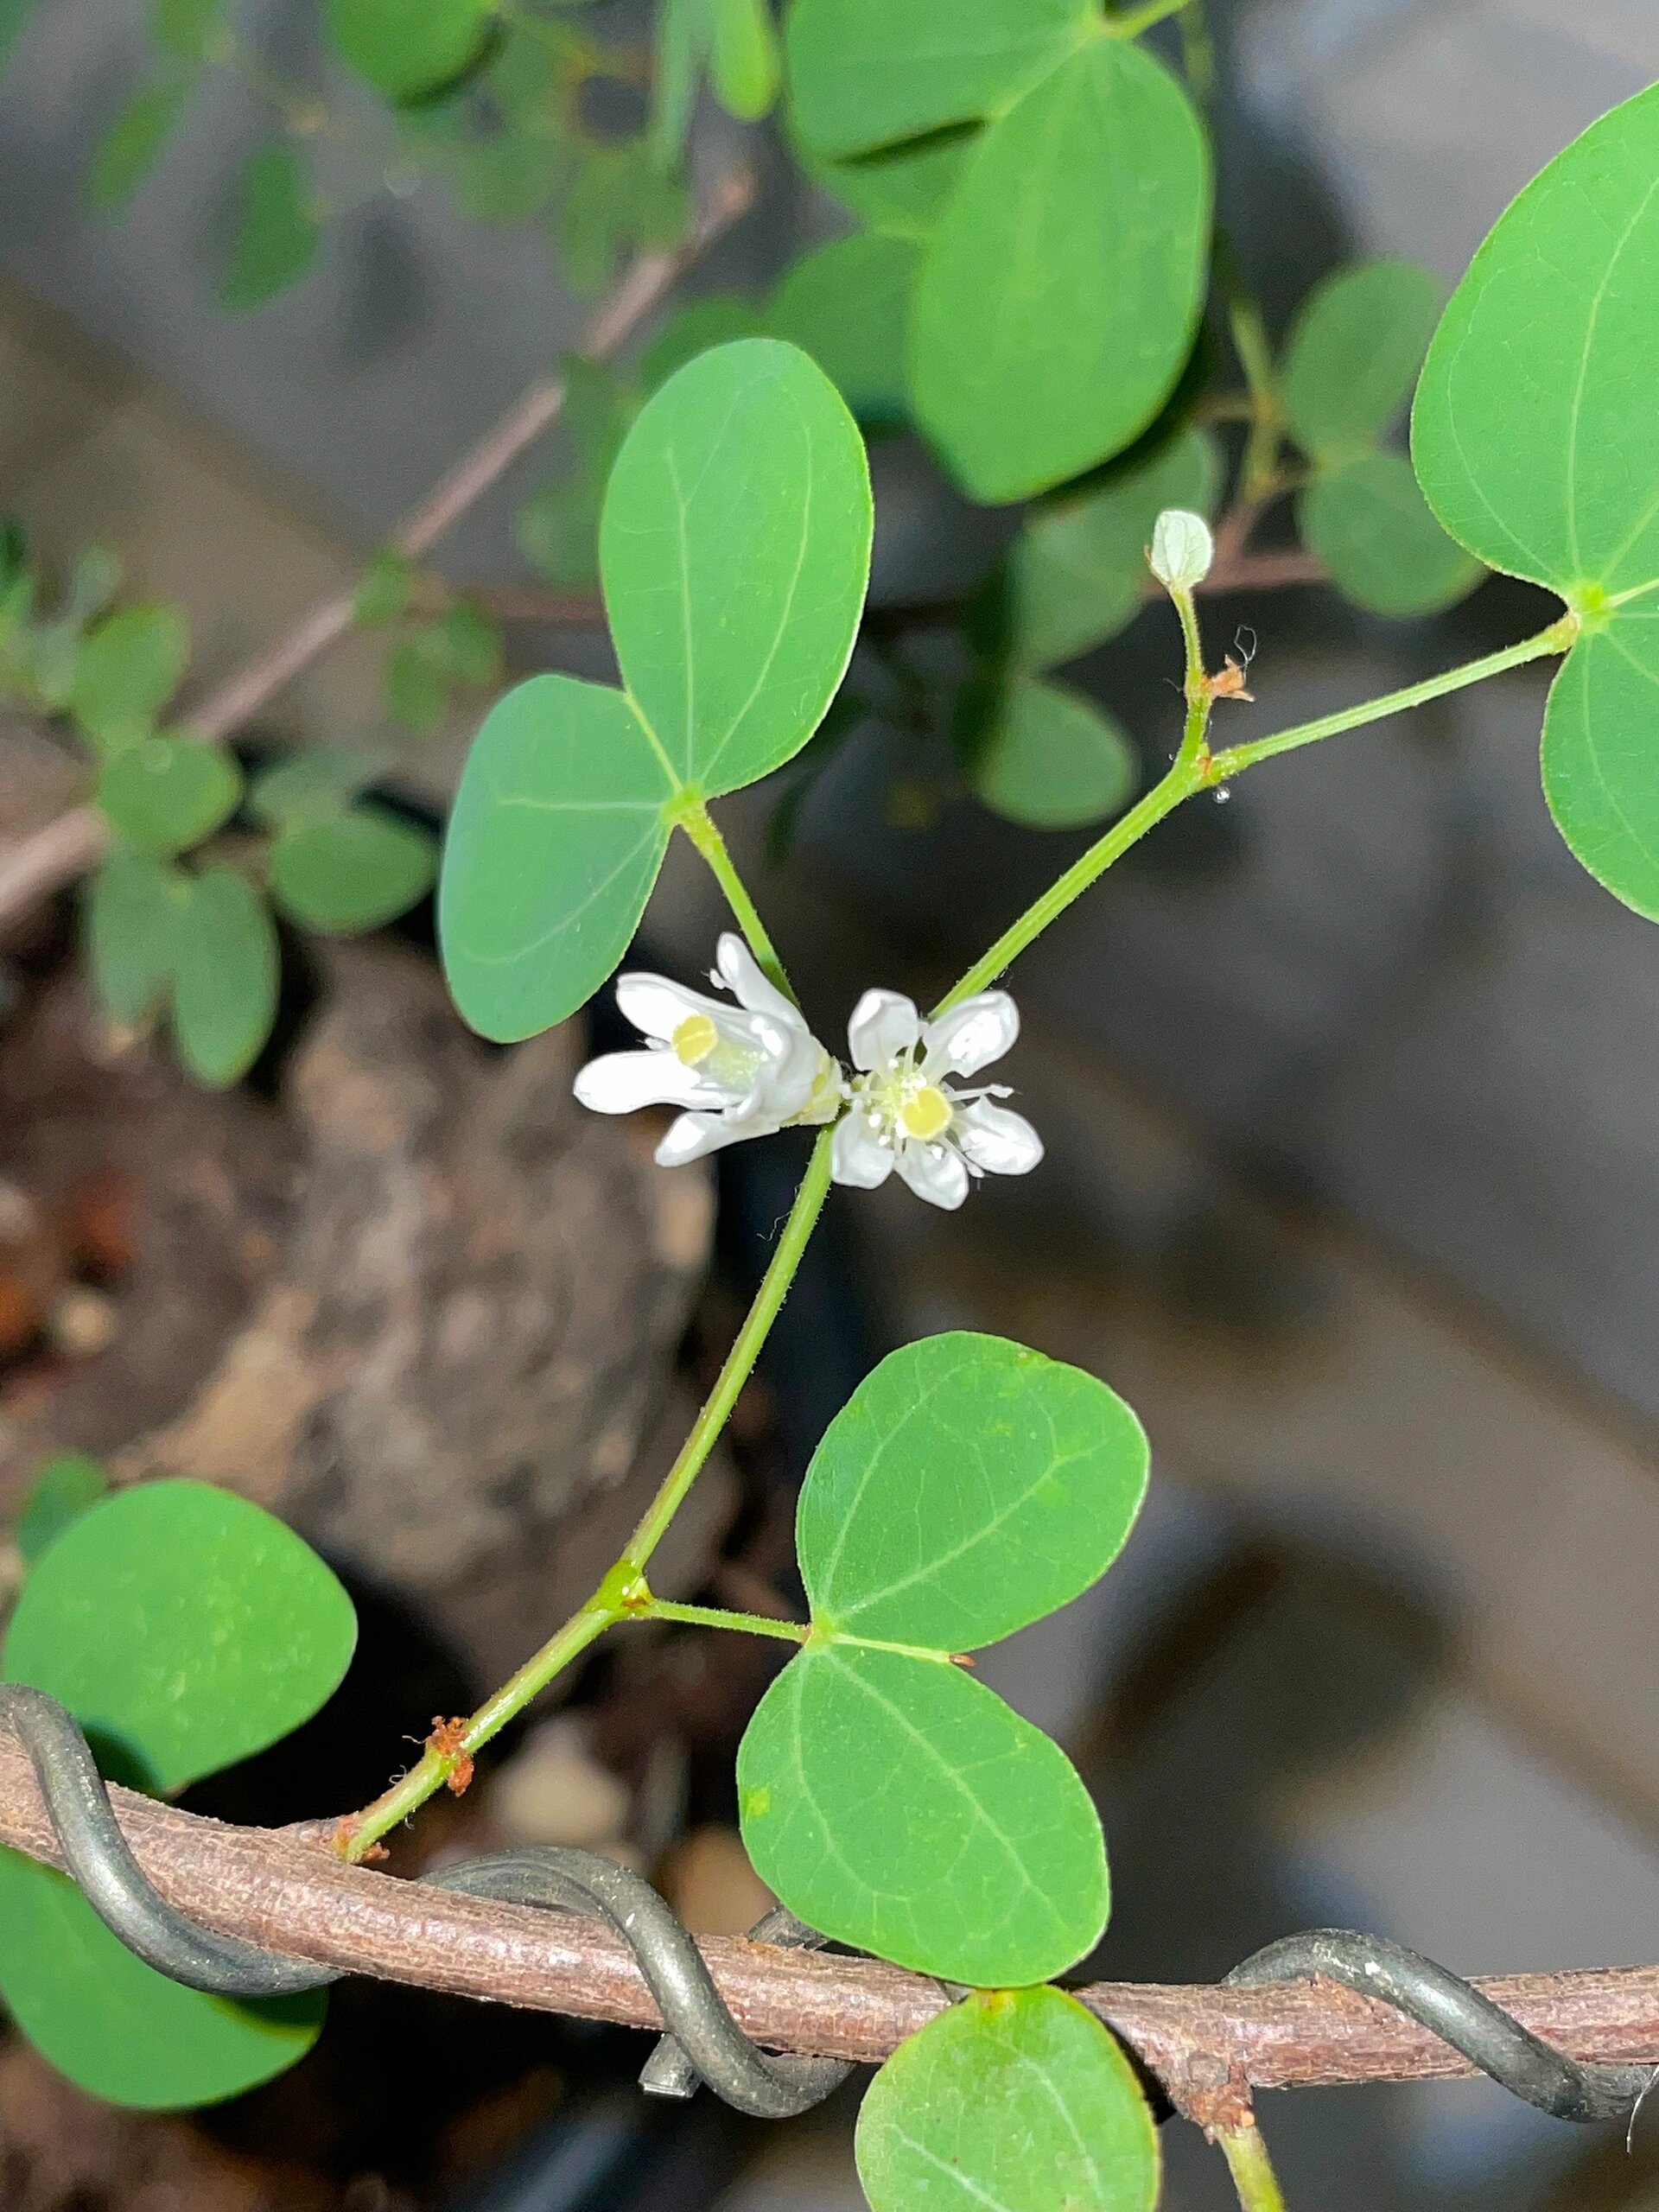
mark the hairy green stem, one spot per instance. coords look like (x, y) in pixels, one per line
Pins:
(699, 826)
(661, 1608)
(1251, 2169)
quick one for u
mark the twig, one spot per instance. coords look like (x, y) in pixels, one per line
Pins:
(68, 846)
(1207, 2045)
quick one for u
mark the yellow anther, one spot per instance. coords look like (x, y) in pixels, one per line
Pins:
(926, 1113)
(695, 1038)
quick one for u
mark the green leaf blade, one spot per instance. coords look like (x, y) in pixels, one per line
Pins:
(1002, 1876)
(126, 671)
(1354, 352)
(118, 2028)
(848, 305)
(1016, 2098)
(744, 63)
(277, 239)
(1060, 294)
(134, 912)
(227, 969)
(165, 794)
(1377, 534)
(557, 833)
(358, 871)
(1049, 759)
(968, 1487)
(135, 142)
(735, 551)
(407, 48)
(1598, 758)
(67, 1487)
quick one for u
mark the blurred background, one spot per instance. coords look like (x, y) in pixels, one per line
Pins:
(1350, 1085)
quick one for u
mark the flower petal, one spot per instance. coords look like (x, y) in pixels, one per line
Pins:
(857, 1156)
(749, 982)
(694, 1134)
(1001, 1142)
(656, 1006)
(884, 1023)
(934, 1172)
(972, 1034)
(621, 1082)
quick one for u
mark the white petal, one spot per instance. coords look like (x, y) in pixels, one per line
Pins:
(657, 1006)
(935, 1173)
(884, 1023)
(972, 1034)
(857, 1156)
(743, 973)
(1001, 1142)
(694, 1134)
(620, 1081)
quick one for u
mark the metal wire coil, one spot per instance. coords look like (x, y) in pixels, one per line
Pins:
(704, 2043)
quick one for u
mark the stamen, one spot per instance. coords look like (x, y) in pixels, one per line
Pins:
(926, 1113)
(695, 1038)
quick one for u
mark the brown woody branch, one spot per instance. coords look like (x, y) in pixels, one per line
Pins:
(75, 842)
(1209, 2046)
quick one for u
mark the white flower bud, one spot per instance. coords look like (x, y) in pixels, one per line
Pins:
(1182, 548)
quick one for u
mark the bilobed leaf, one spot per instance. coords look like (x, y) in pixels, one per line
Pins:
(899, 1805)
(743, 63)
(408, 47)
(557, 833)
(118, 2028)
(1048, 758)
(968, 1486)
(184, 1627)
(1354, 352)
(1078, 570)
(848, 305)
(1060, 297)
(276, 241)
(67, 1487)
(355, 872)
(1372, 528)
(1017, 2099)
(165, 794)
(866, 73)
(133, 144)
(1533, 453)
(134, 907)
(126, 671)
(226, 975)
(900, 191)
(735, 551)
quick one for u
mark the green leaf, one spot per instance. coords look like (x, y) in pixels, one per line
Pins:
(744, 64)
(165, 794)
(276, 242)
(901, 192)
(899, 1805)
(865, 73)
(313, 787)
(184, 1627)
(556, 836)
(227, 969)
(558, 531)
(1060, 297)
(1354, 352)
(511, 176)
(357, 872)
(131, 147)
(1014, 2099)
(734, 549)
(135, 909)
(406, 48)
(682, 33)
(126, 671)
(620, 198)
(464, 645)
(14, 14)
(848, 305)
(1372, 528)
(1532, 452)
(186, 28)
(93, 581)
(715, 320)
(1077, 571)
(66, 1487)
(384, 592)
(1048, 758)
(121, 2031)
(968, 1487)
(417, 692)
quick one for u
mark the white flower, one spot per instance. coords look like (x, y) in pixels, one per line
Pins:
(741, 1071)
(1182, 548)
(904, 1113)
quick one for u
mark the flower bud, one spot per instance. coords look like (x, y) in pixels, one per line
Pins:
(1182, 548)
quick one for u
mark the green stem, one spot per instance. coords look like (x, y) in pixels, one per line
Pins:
(740, 1361)
(1197, 53)
(1251, 2169)
(660, 1609)
(1556, 639)
(1259, 471)
(699, 826)
(1136, 20)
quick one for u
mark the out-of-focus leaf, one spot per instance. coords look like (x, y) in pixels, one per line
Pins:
(277, 239)
(744, 64)
(166, 794)
(408, 48)
(683, 30)
(313, 787)
(134, 907)
(1049, 759)
(131, 147)
(186, 27)
(902, 191)
(620, 198)
(1354, 352)
(848, 304)
(225, 976)
(355, 872)
(386, 589)
(713, 320)
(1371, 526)
(67, 1485)
(126, 671)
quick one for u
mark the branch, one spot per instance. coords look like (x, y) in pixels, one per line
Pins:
(75, 842)
(285, 1890)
